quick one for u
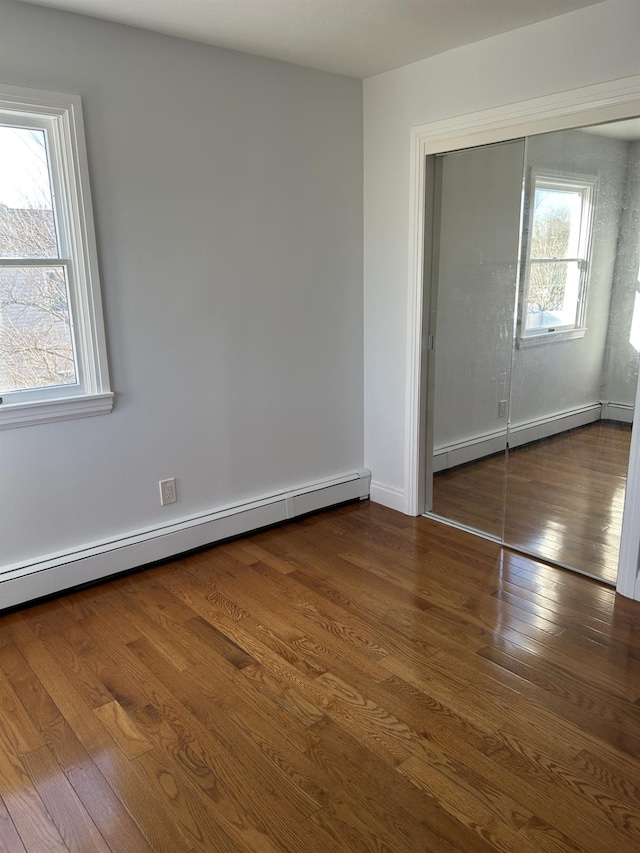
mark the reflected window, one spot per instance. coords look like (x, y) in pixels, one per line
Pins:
(559, 221)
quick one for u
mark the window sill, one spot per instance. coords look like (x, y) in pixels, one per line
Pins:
(48, 411)
(550, 338)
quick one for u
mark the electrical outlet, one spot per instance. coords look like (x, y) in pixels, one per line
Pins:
(168, 494)
(502, 409)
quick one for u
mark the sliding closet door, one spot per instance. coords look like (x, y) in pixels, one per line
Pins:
(476, 237)
(576, 349)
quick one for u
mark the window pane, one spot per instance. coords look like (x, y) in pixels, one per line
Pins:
(36, 343)
(27, 224)
(556, 224)
(553, 295)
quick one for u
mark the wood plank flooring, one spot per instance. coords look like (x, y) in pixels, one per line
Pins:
(563, 498)
(355, 681)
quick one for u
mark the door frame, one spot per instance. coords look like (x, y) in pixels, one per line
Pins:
(611, 101)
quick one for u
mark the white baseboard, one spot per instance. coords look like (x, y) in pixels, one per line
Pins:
(389, 496)
(56, 572)
(617, 412)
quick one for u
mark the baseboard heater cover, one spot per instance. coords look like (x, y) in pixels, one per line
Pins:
(618, 412)
(479, 447)
(22, 583)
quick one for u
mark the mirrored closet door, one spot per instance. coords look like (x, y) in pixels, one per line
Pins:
(535, 317)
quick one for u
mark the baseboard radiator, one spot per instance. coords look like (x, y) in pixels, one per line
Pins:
(21, 583)
(481, 446)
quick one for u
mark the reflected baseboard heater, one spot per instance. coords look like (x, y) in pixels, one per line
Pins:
(480, 446)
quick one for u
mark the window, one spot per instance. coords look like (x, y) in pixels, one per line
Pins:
(52, 349)
(558, 224)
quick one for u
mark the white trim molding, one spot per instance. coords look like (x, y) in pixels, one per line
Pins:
(59, 118)
(389, 496)
(610, 101)
(629, 560)
(20, 583)
(28, 414)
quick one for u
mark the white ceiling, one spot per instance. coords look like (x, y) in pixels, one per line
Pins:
(628, 130)
(355, 37)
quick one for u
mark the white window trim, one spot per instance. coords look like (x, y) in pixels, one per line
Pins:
(587, 185)
(92, 395)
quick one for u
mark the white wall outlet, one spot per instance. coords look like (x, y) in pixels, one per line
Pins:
(168, 494)
(502, 409)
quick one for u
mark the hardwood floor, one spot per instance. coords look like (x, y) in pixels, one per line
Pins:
(355, 681)
(563, 499)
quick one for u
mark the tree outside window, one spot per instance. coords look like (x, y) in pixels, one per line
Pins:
(36, 348)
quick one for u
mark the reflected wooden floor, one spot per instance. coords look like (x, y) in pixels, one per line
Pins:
(354, 681)
(564, 497)
(473, 494)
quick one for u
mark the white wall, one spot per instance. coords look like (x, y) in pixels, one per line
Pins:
(228, 202)
(583, 48)
(479, 227)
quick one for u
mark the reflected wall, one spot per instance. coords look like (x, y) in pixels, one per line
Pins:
(479, 225)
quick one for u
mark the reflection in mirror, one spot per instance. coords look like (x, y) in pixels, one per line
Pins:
(574, 371)
(473, 296)
(535, 308)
